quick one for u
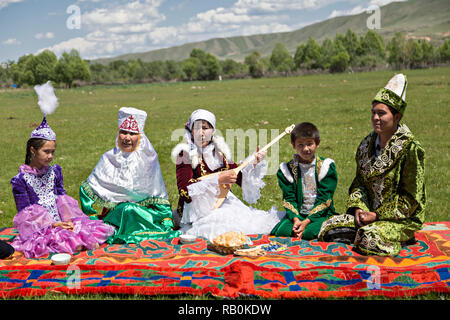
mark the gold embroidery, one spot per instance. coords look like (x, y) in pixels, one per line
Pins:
(319, 163)
(294, 169)
(320, 207)
(289, 206)
(183, 193)
(202, 165)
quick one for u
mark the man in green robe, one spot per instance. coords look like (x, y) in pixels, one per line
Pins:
(386, 202)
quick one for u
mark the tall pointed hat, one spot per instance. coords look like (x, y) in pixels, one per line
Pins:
(48, 103)
(394, 93)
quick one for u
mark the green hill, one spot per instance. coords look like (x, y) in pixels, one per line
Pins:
(416, 18)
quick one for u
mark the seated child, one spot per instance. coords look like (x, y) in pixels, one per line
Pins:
(48, 220)
(308, 183)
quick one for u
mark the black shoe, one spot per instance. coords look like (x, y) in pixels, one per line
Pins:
(344, 235)
(409, 242)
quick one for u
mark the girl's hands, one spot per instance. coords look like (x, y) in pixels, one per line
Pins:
(65, 225)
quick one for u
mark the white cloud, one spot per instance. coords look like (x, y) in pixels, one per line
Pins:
(47, 35)
(5, 3)
(119, 27)
(133, 13)
(359, 9)
(11, 41)
(281, 5)
(355, 10)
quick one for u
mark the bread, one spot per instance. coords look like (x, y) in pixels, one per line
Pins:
(230, 239)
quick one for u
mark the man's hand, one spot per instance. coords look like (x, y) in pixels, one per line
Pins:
(363, 218)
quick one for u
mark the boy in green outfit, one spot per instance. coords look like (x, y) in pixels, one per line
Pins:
(308, 183)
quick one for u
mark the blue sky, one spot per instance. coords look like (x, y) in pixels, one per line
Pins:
(112, 27)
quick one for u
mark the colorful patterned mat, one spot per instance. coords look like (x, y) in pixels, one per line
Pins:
(302, 269)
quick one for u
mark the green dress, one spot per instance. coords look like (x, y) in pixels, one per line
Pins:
(391, 185)
(290, 182)
(150, 218)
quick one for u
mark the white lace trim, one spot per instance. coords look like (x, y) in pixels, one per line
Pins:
(44, 188)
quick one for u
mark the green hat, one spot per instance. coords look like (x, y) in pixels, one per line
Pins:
(394, 93)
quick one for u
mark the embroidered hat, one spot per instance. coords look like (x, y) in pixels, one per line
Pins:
(47, 103)
(394, 93)
(132, 119)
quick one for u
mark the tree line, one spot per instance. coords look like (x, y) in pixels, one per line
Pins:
(346, 52)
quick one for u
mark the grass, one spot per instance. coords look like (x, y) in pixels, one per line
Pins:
(339, 104)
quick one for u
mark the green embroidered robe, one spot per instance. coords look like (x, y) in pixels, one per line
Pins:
(391, 185)
(290, 182)
(150, 218)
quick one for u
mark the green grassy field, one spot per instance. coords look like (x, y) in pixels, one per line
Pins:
(86, 125)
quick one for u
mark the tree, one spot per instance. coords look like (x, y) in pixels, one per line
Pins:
(340, 62)
(43, 68)
(444, 51)
(71, 67)
(372, 44)
(428, 52)
(281, 60)
(212, 67)
(327, 51)
(414, 54)
(299, 56)
(201, 66)
(231, 68)
(397, 51)
(312, 54)
(173, 70)
(190, 68)
(352, 45)
(255, 65)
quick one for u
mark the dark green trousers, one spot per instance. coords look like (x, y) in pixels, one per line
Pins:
(284, 229)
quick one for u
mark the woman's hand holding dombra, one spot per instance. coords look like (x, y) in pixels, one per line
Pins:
(259, 156)
(227, 177)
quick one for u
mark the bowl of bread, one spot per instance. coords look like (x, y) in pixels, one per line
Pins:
(228, 242)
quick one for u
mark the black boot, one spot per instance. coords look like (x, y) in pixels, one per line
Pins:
(343, 234)
(5, 249)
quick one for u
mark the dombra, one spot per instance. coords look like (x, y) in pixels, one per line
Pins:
(225, 188)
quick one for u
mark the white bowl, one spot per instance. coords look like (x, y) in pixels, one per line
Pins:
(187, 238)
(61, 259)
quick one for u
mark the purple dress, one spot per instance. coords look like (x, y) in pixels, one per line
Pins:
(41, 201)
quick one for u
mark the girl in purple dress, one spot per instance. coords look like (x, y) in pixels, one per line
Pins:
(48, 220)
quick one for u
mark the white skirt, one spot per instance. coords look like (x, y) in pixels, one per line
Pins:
(233, 215)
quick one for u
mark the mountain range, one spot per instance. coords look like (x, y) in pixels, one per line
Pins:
(416, 18)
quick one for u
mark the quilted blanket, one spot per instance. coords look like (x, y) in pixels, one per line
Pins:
(297, 269)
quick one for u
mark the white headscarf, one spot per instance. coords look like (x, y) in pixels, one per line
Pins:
(121, 176)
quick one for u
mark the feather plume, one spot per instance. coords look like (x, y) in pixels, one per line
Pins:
(47, 99)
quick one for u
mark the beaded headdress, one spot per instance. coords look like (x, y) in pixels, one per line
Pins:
(48, 103)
